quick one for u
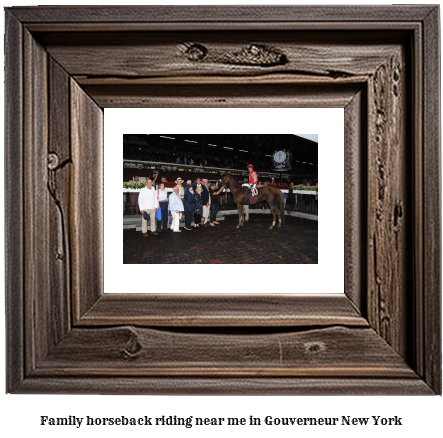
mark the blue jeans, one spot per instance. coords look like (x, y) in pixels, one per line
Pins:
(165, 216)
(214, 210)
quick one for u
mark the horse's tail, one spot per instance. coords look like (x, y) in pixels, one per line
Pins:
(282, 207)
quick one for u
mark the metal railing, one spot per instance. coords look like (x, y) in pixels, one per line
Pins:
(300, 206)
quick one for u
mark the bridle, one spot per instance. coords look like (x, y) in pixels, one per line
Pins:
(226, 184)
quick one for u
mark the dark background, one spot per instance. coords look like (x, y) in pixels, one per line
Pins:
(221, 150)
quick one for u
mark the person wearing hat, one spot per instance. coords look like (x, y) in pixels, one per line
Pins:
(214, 191)
(186, 187)
(175, 207)
(253, 180)
(222, 199)
(181, 191)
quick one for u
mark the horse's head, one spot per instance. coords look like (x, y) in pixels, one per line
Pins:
(225, 179)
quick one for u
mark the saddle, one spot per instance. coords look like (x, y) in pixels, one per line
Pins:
(250, 193)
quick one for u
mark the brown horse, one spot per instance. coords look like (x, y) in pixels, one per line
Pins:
(269, 194)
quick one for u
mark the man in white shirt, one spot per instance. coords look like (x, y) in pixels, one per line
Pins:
(147, 201)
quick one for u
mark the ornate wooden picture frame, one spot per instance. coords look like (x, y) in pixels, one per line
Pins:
(64, 65)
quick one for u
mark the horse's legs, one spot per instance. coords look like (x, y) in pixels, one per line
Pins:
(240, 211)
(242, 215)
(273, 217)
(275, 211)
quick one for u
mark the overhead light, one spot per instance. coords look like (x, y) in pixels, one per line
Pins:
(191, 141)
(311, 164)
(162, 136)
(268, 155)
(241, 150)
(213, 145)
(224, 147)
(303, 162)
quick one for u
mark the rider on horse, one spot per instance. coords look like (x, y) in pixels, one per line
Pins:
(253, 180)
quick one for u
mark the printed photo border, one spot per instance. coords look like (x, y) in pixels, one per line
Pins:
(308, 278)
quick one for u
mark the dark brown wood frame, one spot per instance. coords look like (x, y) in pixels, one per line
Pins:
(64, 65)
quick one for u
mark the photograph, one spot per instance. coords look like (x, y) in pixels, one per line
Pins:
(237, 198)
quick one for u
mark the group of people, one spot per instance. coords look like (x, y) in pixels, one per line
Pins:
(199, 201)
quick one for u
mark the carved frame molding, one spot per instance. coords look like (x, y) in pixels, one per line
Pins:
(64, 65)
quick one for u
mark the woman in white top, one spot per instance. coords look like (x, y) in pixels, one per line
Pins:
(162, 196)
(175, 207)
